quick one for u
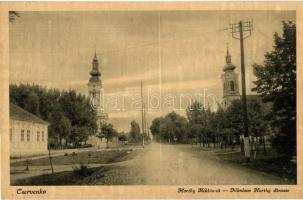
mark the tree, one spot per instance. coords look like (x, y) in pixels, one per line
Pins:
(122, 137)
(76, 136)
(196, 132)
(32, 104)
(276, 82)
(171, 127)
(60, 126)
(200, 122)
(108, 132)
(155, 127)
(196, 114)
(256, 117)
(134, 131)
(69, 114)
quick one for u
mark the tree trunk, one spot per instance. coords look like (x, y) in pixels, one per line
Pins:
(264, 146)
(242, 145)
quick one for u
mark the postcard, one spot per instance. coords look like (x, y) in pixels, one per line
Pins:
(151, 100)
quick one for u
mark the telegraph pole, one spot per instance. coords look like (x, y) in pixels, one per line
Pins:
(241, 31)
(142, 113)
(244, 104)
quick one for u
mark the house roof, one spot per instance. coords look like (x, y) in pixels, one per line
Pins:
(19, 113)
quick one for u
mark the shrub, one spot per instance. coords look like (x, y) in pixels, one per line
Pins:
(83, 170)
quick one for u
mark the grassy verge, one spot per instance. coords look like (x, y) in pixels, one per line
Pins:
(271, 164)
(88, 176)
(60, 178)
(100, 157)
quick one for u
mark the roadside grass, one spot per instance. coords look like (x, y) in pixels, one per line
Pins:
(26, 156)
(272, 163)
(98, 157)
(60, 178)
(84, 175)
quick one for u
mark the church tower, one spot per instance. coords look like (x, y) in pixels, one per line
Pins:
(96, 92)
(230, 82)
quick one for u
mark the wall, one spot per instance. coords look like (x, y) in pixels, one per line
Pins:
(31, 147)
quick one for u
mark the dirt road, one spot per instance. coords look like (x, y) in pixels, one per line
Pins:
(163, 164)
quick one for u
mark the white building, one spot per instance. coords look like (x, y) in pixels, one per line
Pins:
(28, 133)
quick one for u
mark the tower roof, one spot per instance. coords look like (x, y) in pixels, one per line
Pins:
(95, 56)
(228, 65)
(95, 73)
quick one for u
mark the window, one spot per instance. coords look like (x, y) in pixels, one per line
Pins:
(232, 86)
(28, 136)
(10, 134)
(22, 135)
(42, 135)
(38, 136)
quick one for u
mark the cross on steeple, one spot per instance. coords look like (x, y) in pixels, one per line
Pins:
(95, 56)
(228, 56)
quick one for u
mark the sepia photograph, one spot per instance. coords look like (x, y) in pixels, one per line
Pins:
(156, 97)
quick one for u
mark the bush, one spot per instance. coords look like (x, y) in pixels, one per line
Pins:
(83, 170)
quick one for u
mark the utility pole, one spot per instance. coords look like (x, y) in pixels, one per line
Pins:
(50, 157)
(143, 115)
(241, 31)
(147, 130)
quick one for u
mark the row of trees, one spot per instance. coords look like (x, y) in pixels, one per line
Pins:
(276, 83)
(204, 126)
(272, 112)
(71, 118)
(109, 132)
(135, 135)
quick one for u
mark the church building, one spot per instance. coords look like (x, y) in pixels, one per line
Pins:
(95, 89)
(96, 94)
(230, 82)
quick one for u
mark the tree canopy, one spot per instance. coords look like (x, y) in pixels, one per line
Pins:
(134, 131)
(70, 114)
(276, 82)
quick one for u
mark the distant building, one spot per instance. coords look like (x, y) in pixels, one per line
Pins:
(230, 82)
(28, 133)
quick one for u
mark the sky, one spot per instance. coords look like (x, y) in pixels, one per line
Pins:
(178, 55)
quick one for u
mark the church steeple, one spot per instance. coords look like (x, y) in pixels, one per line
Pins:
(230, 82)
(228, 66)
(228, 56)
(95, 73)
(97, 100)
(95, 56)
